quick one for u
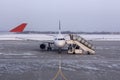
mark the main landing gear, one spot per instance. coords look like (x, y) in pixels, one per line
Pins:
(49, 48)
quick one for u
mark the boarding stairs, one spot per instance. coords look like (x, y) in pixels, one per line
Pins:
(78, 43)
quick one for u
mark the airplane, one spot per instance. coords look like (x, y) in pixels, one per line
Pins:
(59, 41)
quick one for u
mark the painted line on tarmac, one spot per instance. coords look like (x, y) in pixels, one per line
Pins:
(59, 72)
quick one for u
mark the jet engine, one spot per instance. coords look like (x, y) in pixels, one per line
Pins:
(42, 46)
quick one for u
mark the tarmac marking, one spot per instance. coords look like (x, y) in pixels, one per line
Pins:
(59, 72)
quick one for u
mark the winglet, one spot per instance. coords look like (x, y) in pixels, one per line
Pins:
(19, 28)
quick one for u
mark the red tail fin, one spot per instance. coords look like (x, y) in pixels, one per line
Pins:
(19, 28)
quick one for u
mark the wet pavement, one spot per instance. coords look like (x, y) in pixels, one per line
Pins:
(23, 60)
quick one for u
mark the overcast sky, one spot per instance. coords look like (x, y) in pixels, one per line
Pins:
(75, 15)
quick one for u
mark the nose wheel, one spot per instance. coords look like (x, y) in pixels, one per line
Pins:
(59, 50)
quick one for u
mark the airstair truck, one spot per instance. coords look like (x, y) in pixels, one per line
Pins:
(77, 44)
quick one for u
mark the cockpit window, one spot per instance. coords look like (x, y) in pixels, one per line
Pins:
(61, 39)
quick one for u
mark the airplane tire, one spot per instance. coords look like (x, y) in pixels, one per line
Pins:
(59, 50)
(73, 52)
(88, 53)
(49, 48)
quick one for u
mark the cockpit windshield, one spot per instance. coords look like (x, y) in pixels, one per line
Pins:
(60, 39)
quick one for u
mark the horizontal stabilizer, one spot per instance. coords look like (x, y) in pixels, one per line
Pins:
(19, 28)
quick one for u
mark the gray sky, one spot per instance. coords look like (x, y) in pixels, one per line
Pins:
(75, 15)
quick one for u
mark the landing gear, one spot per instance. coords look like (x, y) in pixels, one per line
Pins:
(59, 50)
(49, 48)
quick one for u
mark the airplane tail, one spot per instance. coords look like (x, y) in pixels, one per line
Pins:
(59, 27)
(19, 28)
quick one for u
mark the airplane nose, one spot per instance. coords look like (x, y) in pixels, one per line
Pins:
(60, 43)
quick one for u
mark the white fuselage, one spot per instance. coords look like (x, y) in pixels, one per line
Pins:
(59, 41)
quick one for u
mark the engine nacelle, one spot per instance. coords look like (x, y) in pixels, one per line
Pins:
(42, 46)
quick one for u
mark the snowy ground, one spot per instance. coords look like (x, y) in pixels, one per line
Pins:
(101, 37)
(94, 37)
(23, 60)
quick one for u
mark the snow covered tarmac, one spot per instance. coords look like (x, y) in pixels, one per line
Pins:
(23, 60)
(94, 37)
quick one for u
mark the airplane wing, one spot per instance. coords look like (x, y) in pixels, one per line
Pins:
(35, 37)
